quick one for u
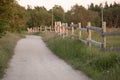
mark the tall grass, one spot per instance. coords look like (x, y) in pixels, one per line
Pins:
(98, 65)
(7, 44)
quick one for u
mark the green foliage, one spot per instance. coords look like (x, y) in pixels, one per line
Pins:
(19, 18)
(38, 16)
(12, 16)
(104, 63)
(41, 17)
(113, 18)
(110, 13)
(58, 13)
(80, 14)
(5, 14)
(96, 8)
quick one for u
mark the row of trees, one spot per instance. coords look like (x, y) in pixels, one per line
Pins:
(80, 14)
(13, 17)
(40, 16)
(111, 13)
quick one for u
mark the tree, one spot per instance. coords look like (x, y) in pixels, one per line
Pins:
(58, 13)
(19, 18)
(112, 16)
(91, 7)
(80, 14)
(106, 5)
(12, 16)
(38, 17)
(77, 14)
(5, 14)
(110, 13)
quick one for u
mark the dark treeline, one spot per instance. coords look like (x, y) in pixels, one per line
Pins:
(13, 17)
(111, 13)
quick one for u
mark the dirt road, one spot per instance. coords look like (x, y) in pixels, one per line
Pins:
(34, 61)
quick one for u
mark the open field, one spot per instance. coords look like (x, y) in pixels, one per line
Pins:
(97, 64)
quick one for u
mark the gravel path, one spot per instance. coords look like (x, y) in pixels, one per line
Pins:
(34, 61)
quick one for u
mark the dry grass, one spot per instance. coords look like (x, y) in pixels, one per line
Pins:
(7, 44)
(97, 64)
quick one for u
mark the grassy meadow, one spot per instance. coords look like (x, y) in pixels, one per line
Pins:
(97, 64)
(7, 45)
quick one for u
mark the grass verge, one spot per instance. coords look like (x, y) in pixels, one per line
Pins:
(7, 44)
(96, 64)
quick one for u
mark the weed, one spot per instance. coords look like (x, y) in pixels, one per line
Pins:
(98, 65)
(7, 44)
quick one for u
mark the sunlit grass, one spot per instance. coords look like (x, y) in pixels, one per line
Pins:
(112, 41)
(97, 64)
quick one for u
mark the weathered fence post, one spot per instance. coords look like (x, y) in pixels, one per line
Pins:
(45, 28)
(79, 30)
(66, 26)
(104, 37)
(64, 31)
(55, 26)
(60, 28)
(40, 28)
(73, 31)
(50, 28)
(89, 34)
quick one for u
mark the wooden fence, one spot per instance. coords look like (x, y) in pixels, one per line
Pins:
(89, 40)
(38, 29)
(62, 29)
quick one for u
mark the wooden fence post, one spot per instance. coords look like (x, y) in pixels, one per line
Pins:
(89, 34)
(79, 30)
(104, 37)
(45, 28)
(66, 24)
(73, 32)
(59, 28)
(55, 26)
(66, 31)
(50, 28)
(40, 28)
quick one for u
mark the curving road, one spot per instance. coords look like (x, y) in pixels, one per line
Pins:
(34, 61)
